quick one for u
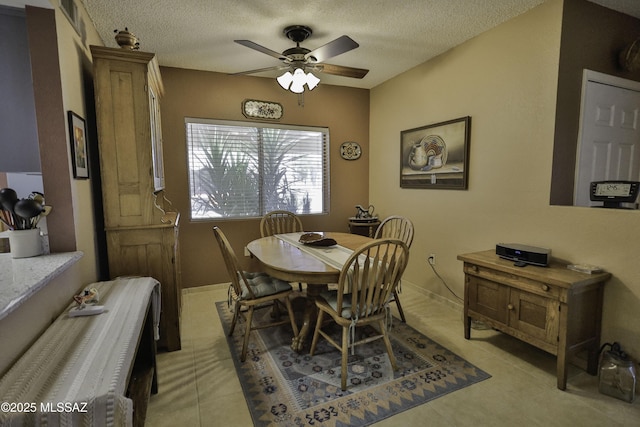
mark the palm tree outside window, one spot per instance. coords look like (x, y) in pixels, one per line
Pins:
(243, 169)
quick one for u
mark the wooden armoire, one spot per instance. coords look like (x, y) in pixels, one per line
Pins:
(140, 224)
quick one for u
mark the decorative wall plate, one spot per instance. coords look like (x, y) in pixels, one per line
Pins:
(350, 150)
(255, 109)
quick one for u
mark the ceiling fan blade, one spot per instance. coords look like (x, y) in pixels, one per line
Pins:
(339, 70)
(260, 70)
(333, 48)
(259, 48)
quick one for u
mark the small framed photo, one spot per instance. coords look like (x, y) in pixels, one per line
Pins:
(436, 156)
(78, 140)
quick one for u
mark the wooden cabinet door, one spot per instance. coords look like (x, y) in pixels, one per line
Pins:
(488, 298)
(151, 252)
(534, 315)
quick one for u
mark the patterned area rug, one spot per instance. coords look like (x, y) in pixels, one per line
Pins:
(284, 388)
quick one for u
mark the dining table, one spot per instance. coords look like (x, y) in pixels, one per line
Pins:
(284, 257)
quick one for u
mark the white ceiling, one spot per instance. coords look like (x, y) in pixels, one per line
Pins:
(394, 36)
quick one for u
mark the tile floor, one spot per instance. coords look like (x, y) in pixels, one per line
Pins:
(198, 385)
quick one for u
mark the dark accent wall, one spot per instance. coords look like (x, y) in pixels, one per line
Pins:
(18, 137)
(190, 93)
(592, 38)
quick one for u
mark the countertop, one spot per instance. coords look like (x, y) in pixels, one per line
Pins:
(20, 278)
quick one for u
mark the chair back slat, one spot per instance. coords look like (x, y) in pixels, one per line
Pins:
(279, 222)
(396, 227)
(371, 273)
(231, 262)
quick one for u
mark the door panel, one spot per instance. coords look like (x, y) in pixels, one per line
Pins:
(609, 148)
(488, 298)
(534, 315)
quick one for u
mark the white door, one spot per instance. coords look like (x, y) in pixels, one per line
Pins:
(609, 141)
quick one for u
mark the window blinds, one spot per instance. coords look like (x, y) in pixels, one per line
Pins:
(239, 169)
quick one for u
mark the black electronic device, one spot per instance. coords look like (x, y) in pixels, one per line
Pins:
(614, 193)
(523, 254)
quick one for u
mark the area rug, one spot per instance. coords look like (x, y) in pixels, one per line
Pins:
(284, 388)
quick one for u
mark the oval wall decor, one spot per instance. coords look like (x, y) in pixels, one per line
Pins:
(350, 150)
(255, 109)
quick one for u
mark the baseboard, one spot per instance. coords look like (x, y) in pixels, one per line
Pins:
(429, 294)
(420, 289)
(205, 288)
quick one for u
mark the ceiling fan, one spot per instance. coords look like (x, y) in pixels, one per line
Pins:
(308, 60)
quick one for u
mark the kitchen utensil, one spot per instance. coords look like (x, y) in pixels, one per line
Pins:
(27, 208)
(8, 199)
(46, 210)
(6, 219)
(37, 196)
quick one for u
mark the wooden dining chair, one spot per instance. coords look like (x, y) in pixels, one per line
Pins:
(279, 222)
(252, 291)
(371, 272)
(396, 227)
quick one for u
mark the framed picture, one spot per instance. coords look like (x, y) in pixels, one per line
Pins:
(436, 156)
(254, 109)
(78, 139)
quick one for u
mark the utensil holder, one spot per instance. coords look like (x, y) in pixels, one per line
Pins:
(24, 243)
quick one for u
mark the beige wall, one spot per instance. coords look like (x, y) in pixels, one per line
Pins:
(54, 43)
(506, 80)
(75, 76)
(213, 95)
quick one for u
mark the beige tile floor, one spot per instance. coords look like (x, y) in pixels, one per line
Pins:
(198, 385)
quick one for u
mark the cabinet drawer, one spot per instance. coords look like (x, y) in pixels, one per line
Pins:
(515, 281)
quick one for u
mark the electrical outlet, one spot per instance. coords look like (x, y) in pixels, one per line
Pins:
(432, 259)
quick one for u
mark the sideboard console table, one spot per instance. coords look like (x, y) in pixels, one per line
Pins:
(553, 308)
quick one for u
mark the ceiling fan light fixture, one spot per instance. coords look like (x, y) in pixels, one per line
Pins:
(297, 59)
(312, 81)
(295, 82)
(296, 88)
(299, 79)
(285, 80)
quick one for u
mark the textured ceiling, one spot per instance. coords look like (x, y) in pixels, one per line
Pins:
(394, 36)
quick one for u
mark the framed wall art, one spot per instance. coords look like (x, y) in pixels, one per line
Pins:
(78, 140)
(436, 156)
(254, 109)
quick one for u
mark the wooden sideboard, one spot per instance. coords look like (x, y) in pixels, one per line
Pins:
(553, 308)
(141, 226)
(363, 228)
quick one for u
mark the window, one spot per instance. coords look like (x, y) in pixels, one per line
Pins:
(70, 10)
(244, 170)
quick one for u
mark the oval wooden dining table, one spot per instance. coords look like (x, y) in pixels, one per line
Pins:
(285, 261)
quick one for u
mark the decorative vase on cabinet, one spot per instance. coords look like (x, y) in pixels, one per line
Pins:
(141, 230)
